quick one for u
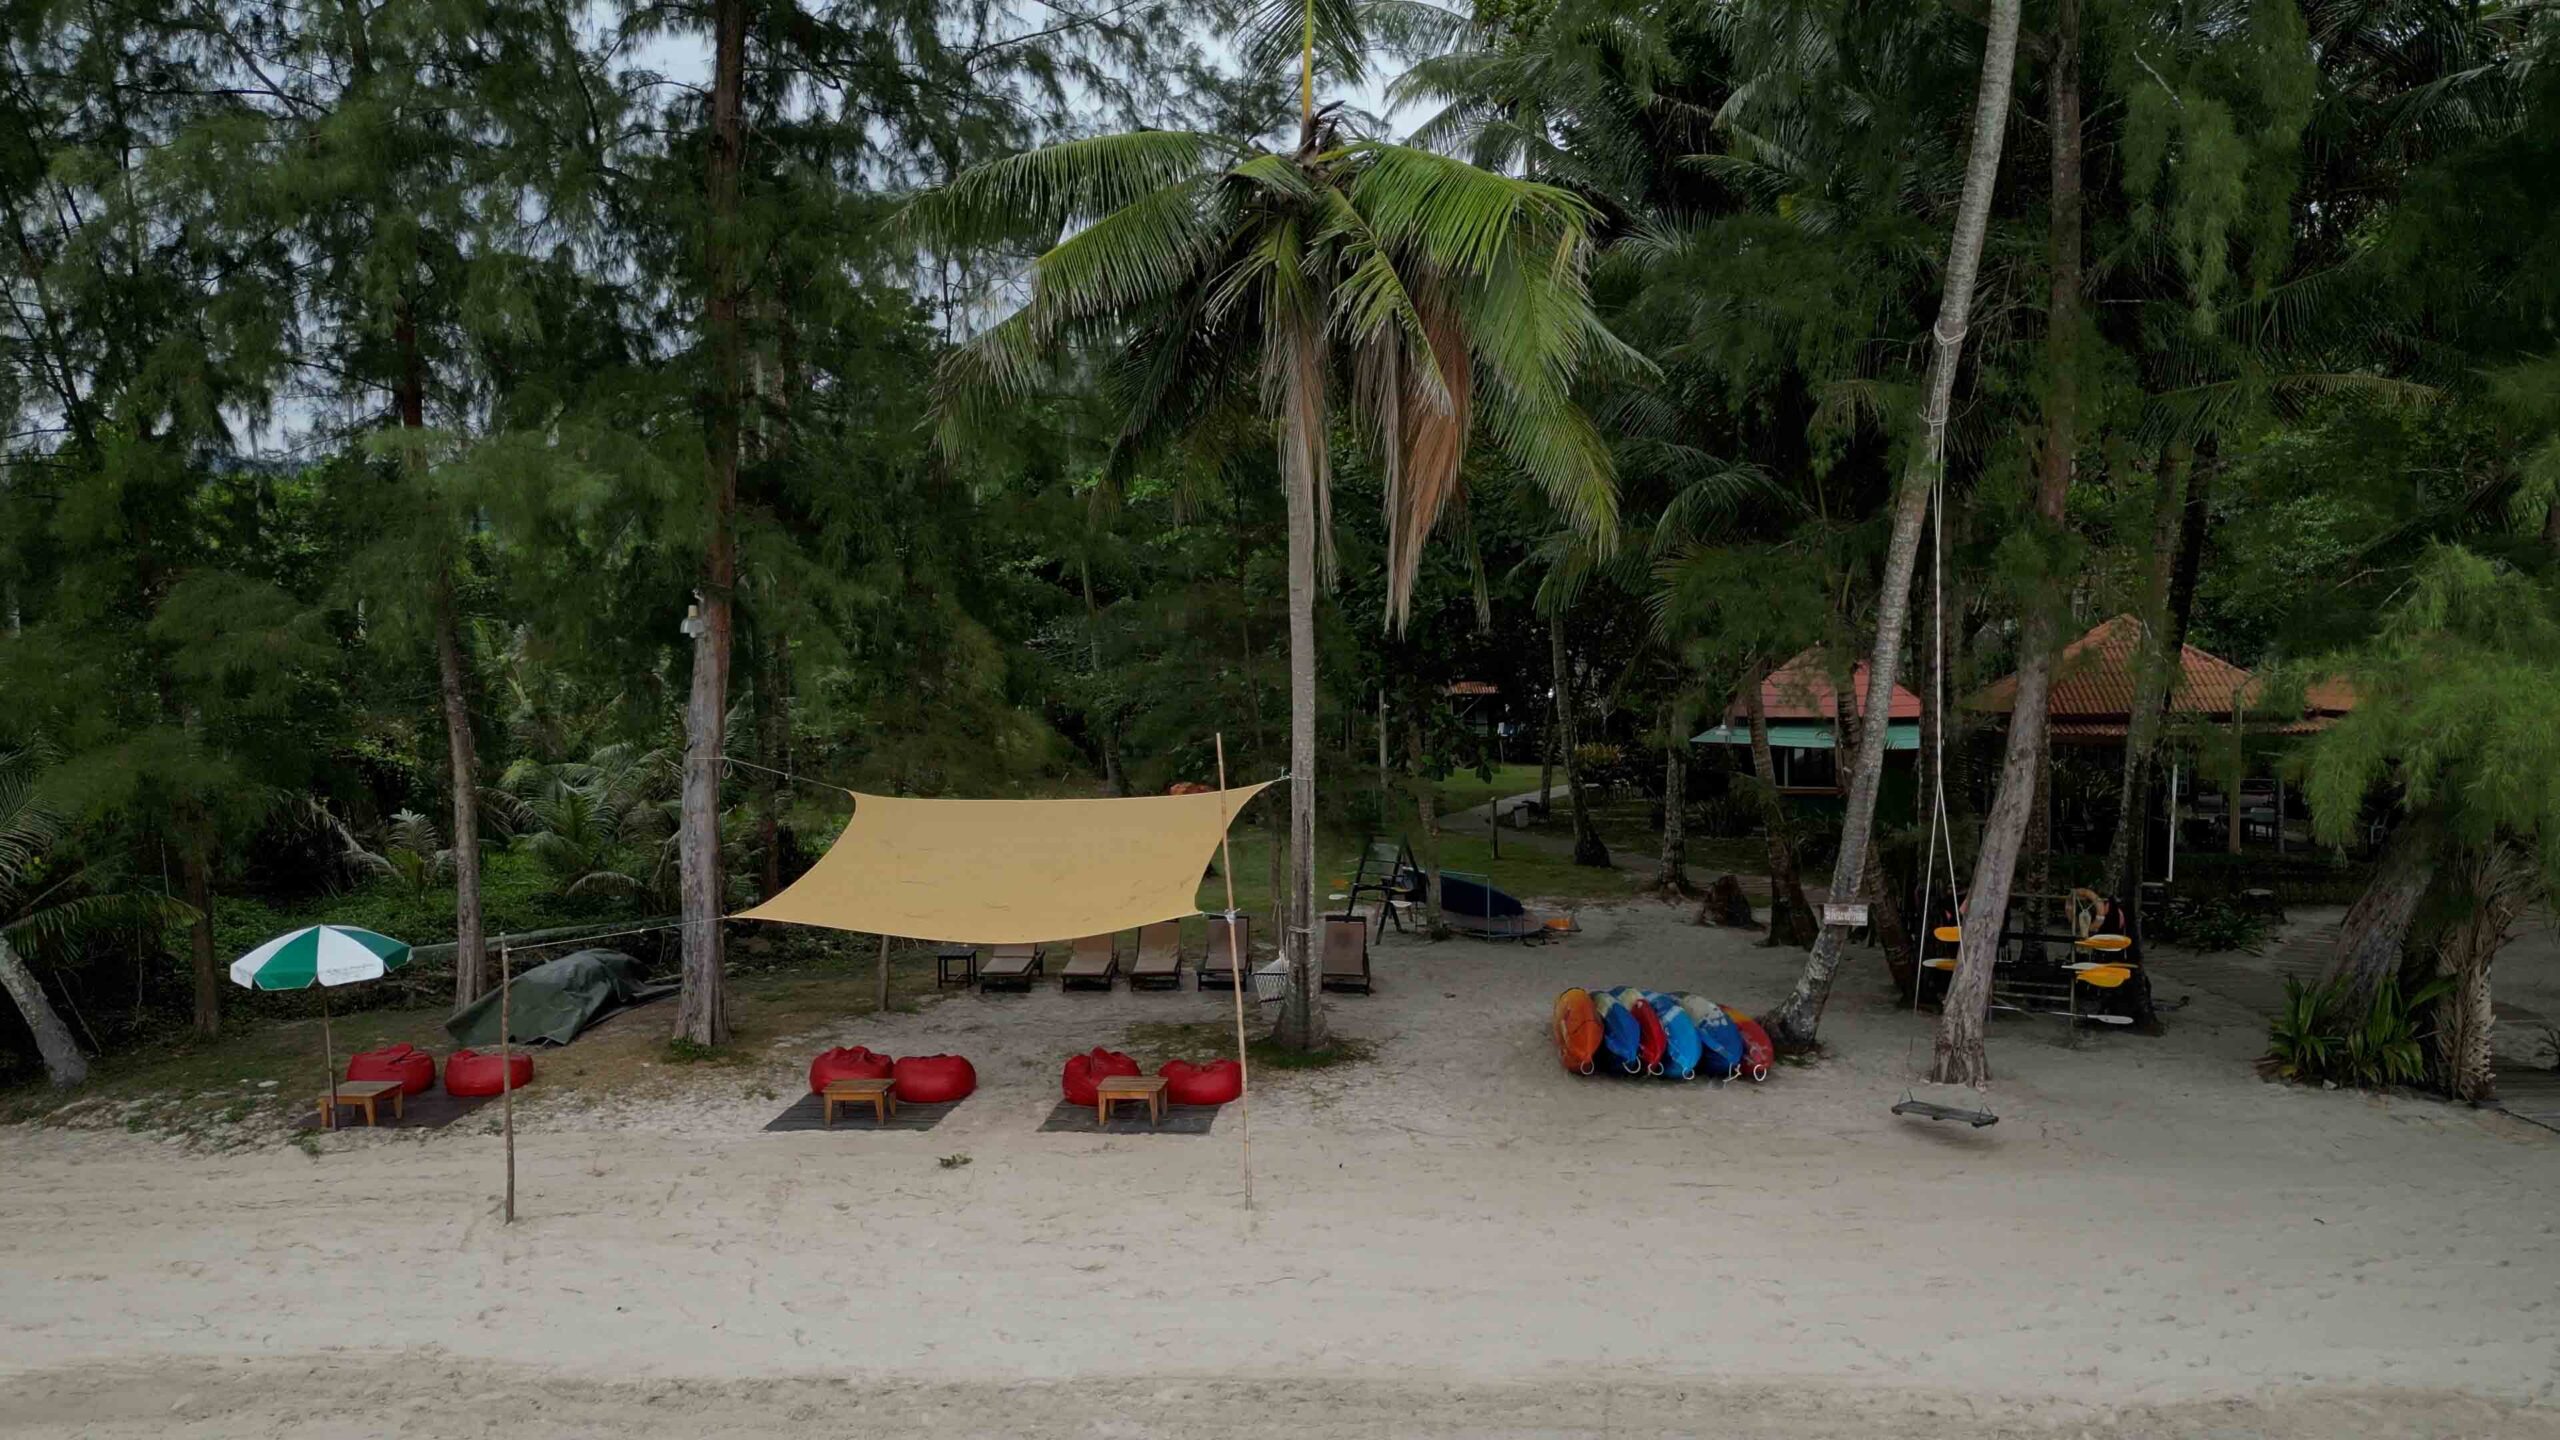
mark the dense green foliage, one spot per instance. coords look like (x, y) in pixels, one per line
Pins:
(336, 335)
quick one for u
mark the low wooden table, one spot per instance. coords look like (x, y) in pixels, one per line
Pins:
(875, 1093)
(365, 1094)
(947, 956)
(1110, 1090)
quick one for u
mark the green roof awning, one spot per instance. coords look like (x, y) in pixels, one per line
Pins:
(1805, 735)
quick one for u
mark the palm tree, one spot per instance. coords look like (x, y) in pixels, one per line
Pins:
(1415, 298)
(48, 902)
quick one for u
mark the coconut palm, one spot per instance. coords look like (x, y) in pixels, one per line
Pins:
(51, 903)
(1416, 299)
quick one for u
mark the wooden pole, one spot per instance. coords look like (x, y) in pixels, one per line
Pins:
(1235, 967)
(881, 1001)
(328, 1063)
(506, 1068)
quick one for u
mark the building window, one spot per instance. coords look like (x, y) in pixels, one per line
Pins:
(1807, 768)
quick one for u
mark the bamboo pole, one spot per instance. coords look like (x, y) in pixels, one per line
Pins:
(506, 1068)
(1235, 967)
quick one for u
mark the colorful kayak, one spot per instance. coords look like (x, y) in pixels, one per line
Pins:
(1577, 1030)
(1716, 1033)
(1757, 1051)
(1651, 1038)
(1680, 1050)
(1620, 1037)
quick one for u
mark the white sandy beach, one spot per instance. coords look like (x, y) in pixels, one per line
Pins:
(1456, 1239)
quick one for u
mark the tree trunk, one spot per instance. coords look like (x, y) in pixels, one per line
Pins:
(702, 1012)
(773, 704)
(1671, 877)
(63, 1062)
(2151, 684)
(1427, 802)
(2375, 935)
(1795, 1022)
(2022, 795)
(2497, 881)
(1587, 846)
(1790, 918)
(1547, 762)
(1106, 725)
(470, 954)
(198, 868)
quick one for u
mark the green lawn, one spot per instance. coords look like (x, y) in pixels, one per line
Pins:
(1466, 789)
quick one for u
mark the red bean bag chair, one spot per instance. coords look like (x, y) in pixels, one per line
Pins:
(932, 1079)
(415, 1069)
(1085, 1071)
(1215, 1083)
(469, 1072)
(857, 1063)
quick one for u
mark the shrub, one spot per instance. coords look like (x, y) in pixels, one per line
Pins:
(2209, 924)
(2315, 1038)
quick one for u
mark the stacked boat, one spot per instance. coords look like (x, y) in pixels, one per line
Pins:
(1680, 1036)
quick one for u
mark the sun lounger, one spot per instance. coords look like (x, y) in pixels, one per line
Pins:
(1096, 962)
(1012, 966)
(1346, 954)
(1215, 966)
(1159, 960)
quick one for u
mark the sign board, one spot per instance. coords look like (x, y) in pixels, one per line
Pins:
(1844, 914)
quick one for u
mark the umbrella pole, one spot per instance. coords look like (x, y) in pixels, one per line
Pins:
(506, 1070)
(1235, 969)
(328, 1064)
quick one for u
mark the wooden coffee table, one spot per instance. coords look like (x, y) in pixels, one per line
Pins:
(1110, 1090)
(365, 1094)
(875, 1093)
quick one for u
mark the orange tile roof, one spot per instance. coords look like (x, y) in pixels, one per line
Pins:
(1801, 690)
(2093, 683)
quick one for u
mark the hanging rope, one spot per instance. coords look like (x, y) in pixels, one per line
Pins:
(1942, 840)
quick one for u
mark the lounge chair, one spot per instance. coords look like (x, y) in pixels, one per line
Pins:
(1011, 966)
(1159, 959)
(1216, 968)
(1346, 954)
(1096, 962)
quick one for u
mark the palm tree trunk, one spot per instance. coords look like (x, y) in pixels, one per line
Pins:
(1671, 876)
(1790, 918)
(1302, 438)
(2151, 683)
(64, 1065)
(470, 962)
(1796, 1021)
(198, 869)
(1547, 760)
(1587, 846)
(702, 1012)
(2020, 802)
(773, 703)
(1106, 726)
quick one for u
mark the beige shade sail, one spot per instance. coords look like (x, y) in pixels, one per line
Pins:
(995, 872)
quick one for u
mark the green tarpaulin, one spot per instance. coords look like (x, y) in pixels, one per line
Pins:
(555, 1000)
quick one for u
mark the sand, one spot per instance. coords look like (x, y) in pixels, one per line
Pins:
(1455, 1239)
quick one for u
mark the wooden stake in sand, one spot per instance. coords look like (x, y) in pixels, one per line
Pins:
(506, 1071)
(881, 1001)
(1235, 967)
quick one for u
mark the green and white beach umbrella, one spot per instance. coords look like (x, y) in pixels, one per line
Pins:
(319, 954)
(322, 955)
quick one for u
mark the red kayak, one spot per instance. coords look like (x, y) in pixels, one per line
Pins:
(1757, 1052)
(1651, 1038)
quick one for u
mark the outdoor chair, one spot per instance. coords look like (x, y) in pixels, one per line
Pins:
(1159, 959)
(1215, 966)
(1096, 962)
(1346, 954)
(1011, 967)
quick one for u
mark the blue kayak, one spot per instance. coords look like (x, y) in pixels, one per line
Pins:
(1682, 1049)
(1717, 1034)
(1618, 1033)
